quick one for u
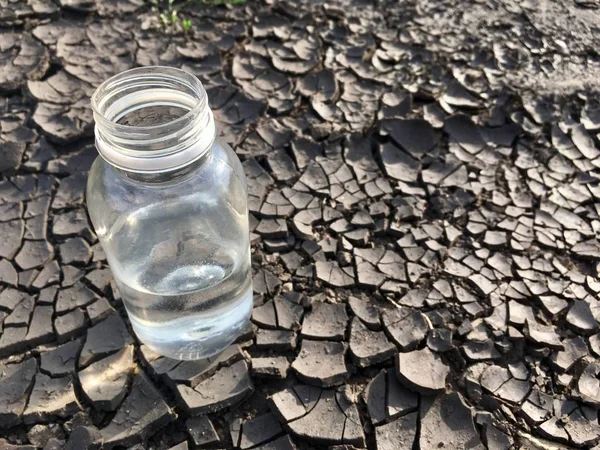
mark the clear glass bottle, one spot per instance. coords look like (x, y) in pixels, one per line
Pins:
(169, 204)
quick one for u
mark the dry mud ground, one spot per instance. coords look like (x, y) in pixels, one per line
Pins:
(424, 195)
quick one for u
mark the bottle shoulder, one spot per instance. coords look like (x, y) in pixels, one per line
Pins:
(219, 174)
(225, 153)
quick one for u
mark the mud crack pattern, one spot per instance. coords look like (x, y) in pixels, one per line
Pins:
(424, 194)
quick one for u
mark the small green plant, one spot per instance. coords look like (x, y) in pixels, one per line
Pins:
(186, 24)
(168, 11)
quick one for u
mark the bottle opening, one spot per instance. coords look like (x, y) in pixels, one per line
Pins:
(152, 115)
(152, 119)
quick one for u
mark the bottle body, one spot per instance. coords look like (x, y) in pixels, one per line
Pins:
(179, 251)
(169, 205)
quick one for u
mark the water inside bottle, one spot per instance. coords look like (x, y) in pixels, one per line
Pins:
(191, 311)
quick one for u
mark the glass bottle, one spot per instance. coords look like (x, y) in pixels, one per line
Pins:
(169, 205)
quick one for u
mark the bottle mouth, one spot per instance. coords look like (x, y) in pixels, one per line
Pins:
(166, 145)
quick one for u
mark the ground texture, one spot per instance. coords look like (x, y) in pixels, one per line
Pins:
(425, 199)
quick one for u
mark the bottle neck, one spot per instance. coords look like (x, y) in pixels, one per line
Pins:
(166, 147)
(170, 176)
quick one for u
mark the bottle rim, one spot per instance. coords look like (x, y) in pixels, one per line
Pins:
(156, 148)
